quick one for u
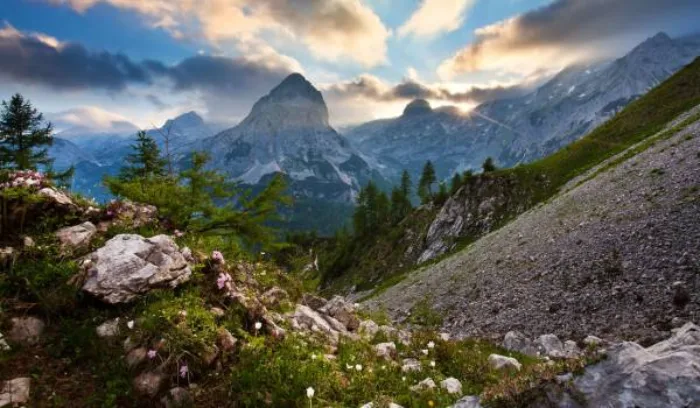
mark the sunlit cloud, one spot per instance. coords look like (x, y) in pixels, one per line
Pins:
(435, 17)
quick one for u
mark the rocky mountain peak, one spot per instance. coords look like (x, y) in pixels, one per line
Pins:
(417, 107)
(186, 120)
(296, 86)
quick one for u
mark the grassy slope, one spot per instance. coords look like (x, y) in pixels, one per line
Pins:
(382, 261)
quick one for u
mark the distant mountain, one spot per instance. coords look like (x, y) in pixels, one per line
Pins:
(522, 129)
(288, 131)
(66, 153)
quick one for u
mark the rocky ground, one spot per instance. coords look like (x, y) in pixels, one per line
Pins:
(617, 256)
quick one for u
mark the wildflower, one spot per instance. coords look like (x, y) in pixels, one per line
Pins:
(130, 324)
(358, 367)
(424, 351)
(152, 354)
(222, 280)
(183, 313)
(432, 363)
(184, 370)
(431, 403)
(313, 356)
(348, 366)
(403, 379)
(310, 392)
(218, 257)
(431, 345)
(258, 325)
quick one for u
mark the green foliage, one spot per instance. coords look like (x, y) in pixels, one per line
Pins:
(456, 183)
(425, 185)
(488, 165)
(23, 136)
(145, 162)
(372, 212)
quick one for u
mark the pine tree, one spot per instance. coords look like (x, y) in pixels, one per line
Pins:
(406, 185)
(425, 185)
(442, 194)
(145, 162)
(401, 199)
(488, 165)
(24, 137)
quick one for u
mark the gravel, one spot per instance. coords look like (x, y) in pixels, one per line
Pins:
(617, 256)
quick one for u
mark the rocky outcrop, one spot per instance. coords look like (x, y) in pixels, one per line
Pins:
(26, 330)
(130, 265)
(503, 363)
(451, 385)
(15, 392)
(76, 236)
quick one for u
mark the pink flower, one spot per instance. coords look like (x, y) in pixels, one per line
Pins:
(222, 280)
(218, 257)
(184, 370)
(179, 233)
(152, 354)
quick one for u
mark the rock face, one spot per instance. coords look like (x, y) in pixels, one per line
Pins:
(451, 385)
(77, 235)
(666, 374)
(15, 392)
(26, 330)
(516, 341)
(130, 265)
(504, 363)
(342, 311)
(149, 383)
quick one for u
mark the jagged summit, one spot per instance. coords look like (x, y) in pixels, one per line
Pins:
(296, 86)
(186, 120)
(417, 107)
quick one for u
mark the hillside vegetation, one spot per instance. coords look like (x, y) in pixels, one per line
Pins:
(493, 199)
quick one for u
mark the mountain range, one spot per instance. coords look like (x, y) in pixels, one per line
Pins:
(289, 131)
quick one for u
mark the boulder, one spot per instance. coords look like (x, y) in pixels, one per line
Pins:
(77, 235)
(386, 351)
(666, 374)
(571, 349)
(274, 296)
(593, 341)
(410, 365)
(427, 384)
(177, 397)
(149, 383)
(470, 401)
(342, 311)
(136, 357)
(108, 329)
(305, 318)
(503, 363)
(57, 197)
(549, 345)
(516, 341)
(130, 265)
(314, 302)
(368, 329)
(7, 255)
(452, 386)
(26, 330)
(225, 340)
(15, 392)
(3, 344)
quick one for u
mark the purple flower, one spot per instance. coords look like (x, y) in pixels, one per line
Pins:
(222, 279)
(218, 257)
(184, 370)
(152, 354)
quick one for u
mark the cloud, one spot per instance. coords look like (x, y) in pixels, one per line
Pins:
(228, 86)
(567, 31)
(435, 17)
(91, 117)
(369, 87)
(331, 29)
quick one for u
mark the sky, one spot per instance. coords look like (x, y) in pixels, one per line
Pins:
(99, 63)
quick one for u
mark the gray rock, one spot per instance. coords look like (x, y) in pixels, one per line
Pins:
(666, 374)
(342, 311)
(307, 319)
(177, 397)
(225, 340)
(368, 329)
(26, 330)
(136, 356)
(314, 302)
(427, 384)
(58, 197)
(77, 235)
(516, 341)
(593, 341)
(470, 401)
(149, 383)
(386, 351)
(504, 363)
(217, 311)
(571, 349)
(410, 365)
(549, 345)
(108, 329)
(15, 392)
(3, 344)
(451, 385)
(273, 297)
(130, 265)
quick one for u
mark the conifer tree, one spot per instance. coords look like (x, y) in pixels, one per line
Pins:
(145, 162)
(456, 183)
(488, 165)
(425, 185)
(24, 138)
(401, 199)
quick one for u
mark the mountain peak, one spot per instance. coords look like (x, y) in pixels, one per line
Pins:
(186, 120)
(417, 107)
(661, 39)
(295, 86)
